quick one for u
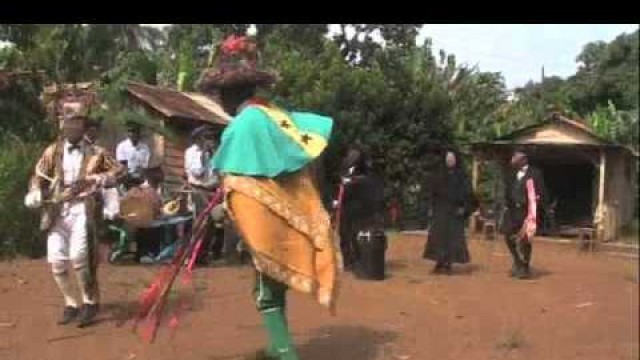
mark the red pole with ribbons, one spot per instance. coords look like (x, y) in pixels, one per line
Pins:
(154, 297)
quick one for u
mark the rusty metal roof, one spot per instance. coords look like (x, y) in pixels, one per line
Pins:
(556, 118)
(600, 142)
(6, 76)
(176, 104)
(55, 88)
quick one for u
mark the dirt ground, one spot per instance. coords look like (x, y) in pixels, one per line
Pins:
(578, 306)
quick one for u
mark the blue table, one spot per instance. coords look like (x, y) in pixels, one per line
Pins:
(165, 222)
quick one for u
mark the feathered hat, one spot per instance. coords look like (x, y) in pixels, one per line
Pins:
(234, 66)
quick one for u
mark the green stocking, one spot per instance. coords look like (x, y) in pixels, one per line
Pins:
(271, 302)
(280, 344)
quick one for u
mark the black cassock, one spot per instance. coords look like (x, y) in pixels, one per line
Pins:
(452, 201)
(363, 210)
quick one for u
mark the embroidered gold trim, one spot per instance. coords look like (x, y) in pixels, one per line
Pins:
(318, 230)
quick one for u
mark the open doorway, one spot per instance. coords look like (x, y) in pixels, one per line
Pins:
(570, 179)
(571, 188)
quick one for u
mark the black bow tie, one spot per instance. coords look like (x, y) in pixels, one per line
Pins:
(73, 147)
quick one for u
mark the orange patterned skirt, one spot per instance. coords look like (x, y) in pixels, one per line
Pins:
(288, 231)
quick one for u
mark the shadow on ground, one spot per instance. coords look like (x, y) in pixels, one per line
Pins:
(336, 343)
(345, 343)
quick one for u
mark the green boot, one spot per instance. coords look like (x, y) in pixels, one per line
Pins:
(271, 350)
(280, 344)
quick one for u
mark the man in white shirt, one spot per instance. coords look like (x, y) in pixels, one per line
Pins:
(197, 158)
(133, 154)
(203, 181)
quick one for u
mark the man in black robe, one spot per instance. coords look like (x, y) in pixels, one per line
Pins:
(452, 202)
(362, 205)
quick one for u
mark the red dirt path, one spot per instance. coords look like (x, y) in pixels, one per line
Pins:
(579, 306)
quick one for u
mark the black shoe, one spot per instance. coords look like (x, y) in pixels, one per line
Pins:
(438, 268)
(525, 273)
(520, 272)
(448, 269)
(88, 314)
(515, 270)
(68, 315)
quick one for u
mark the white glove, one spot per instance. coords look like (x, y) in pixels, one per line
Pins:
(33, 200)
(335, 204)
(346, 180)
(98, 180)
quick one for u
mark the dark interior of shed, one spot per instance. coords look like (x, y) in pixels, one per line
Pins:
(571, 180)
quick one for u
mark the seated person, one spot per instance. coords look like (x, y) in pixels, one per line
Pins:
(150, 240)
(140, 206)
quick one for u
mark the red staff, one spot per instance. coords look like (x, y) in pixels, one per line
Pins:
(154, 297)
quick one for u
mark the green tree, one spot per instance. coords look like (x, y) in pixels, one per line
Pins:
(361, 48)
(23, 135)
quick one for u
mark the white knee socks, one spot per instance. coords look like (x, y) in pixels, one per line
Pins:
(61, 276)
(85, 282)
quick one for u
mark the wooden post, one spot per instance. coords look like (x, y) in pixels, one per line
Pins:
(600, 212)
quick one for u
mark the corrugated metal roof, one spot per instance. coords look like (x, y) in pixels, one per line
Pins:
(176, 104)
(510, 139)
(498, 144)
(7, 76)
(81, 86)
(556, 118)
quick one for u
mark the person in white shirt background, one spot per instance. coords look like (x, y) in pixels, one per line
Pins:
(197, 157)
(134, 154)
(203, 181)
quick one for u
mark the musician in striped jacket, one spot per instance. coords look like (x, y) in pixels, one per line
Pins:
(66, 186)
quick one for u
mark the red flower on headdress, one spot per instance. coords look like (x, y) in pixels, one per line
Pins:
(239, 48)
(234, 44)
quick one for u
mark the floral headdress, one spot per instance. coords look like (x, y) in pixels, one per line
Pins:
(235, 65)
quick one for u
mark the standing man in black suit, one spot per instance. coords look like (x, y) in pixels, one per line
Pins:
(522, 195)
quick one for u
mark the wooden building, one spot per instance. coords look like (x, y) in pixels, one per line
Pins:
(178, 113)
(592, 181)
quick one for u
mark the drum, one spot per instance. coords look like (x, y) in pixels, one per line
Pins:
(372, 247)
(137, 211)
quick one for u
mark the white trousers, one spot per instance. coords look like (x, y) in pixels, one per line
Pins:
(67, 239)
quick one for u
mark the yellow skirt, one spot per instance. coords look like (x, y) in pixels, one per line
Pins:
(288, 231)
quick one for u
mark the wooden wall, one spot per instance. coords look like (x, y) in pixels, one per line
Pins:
(619, 202)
